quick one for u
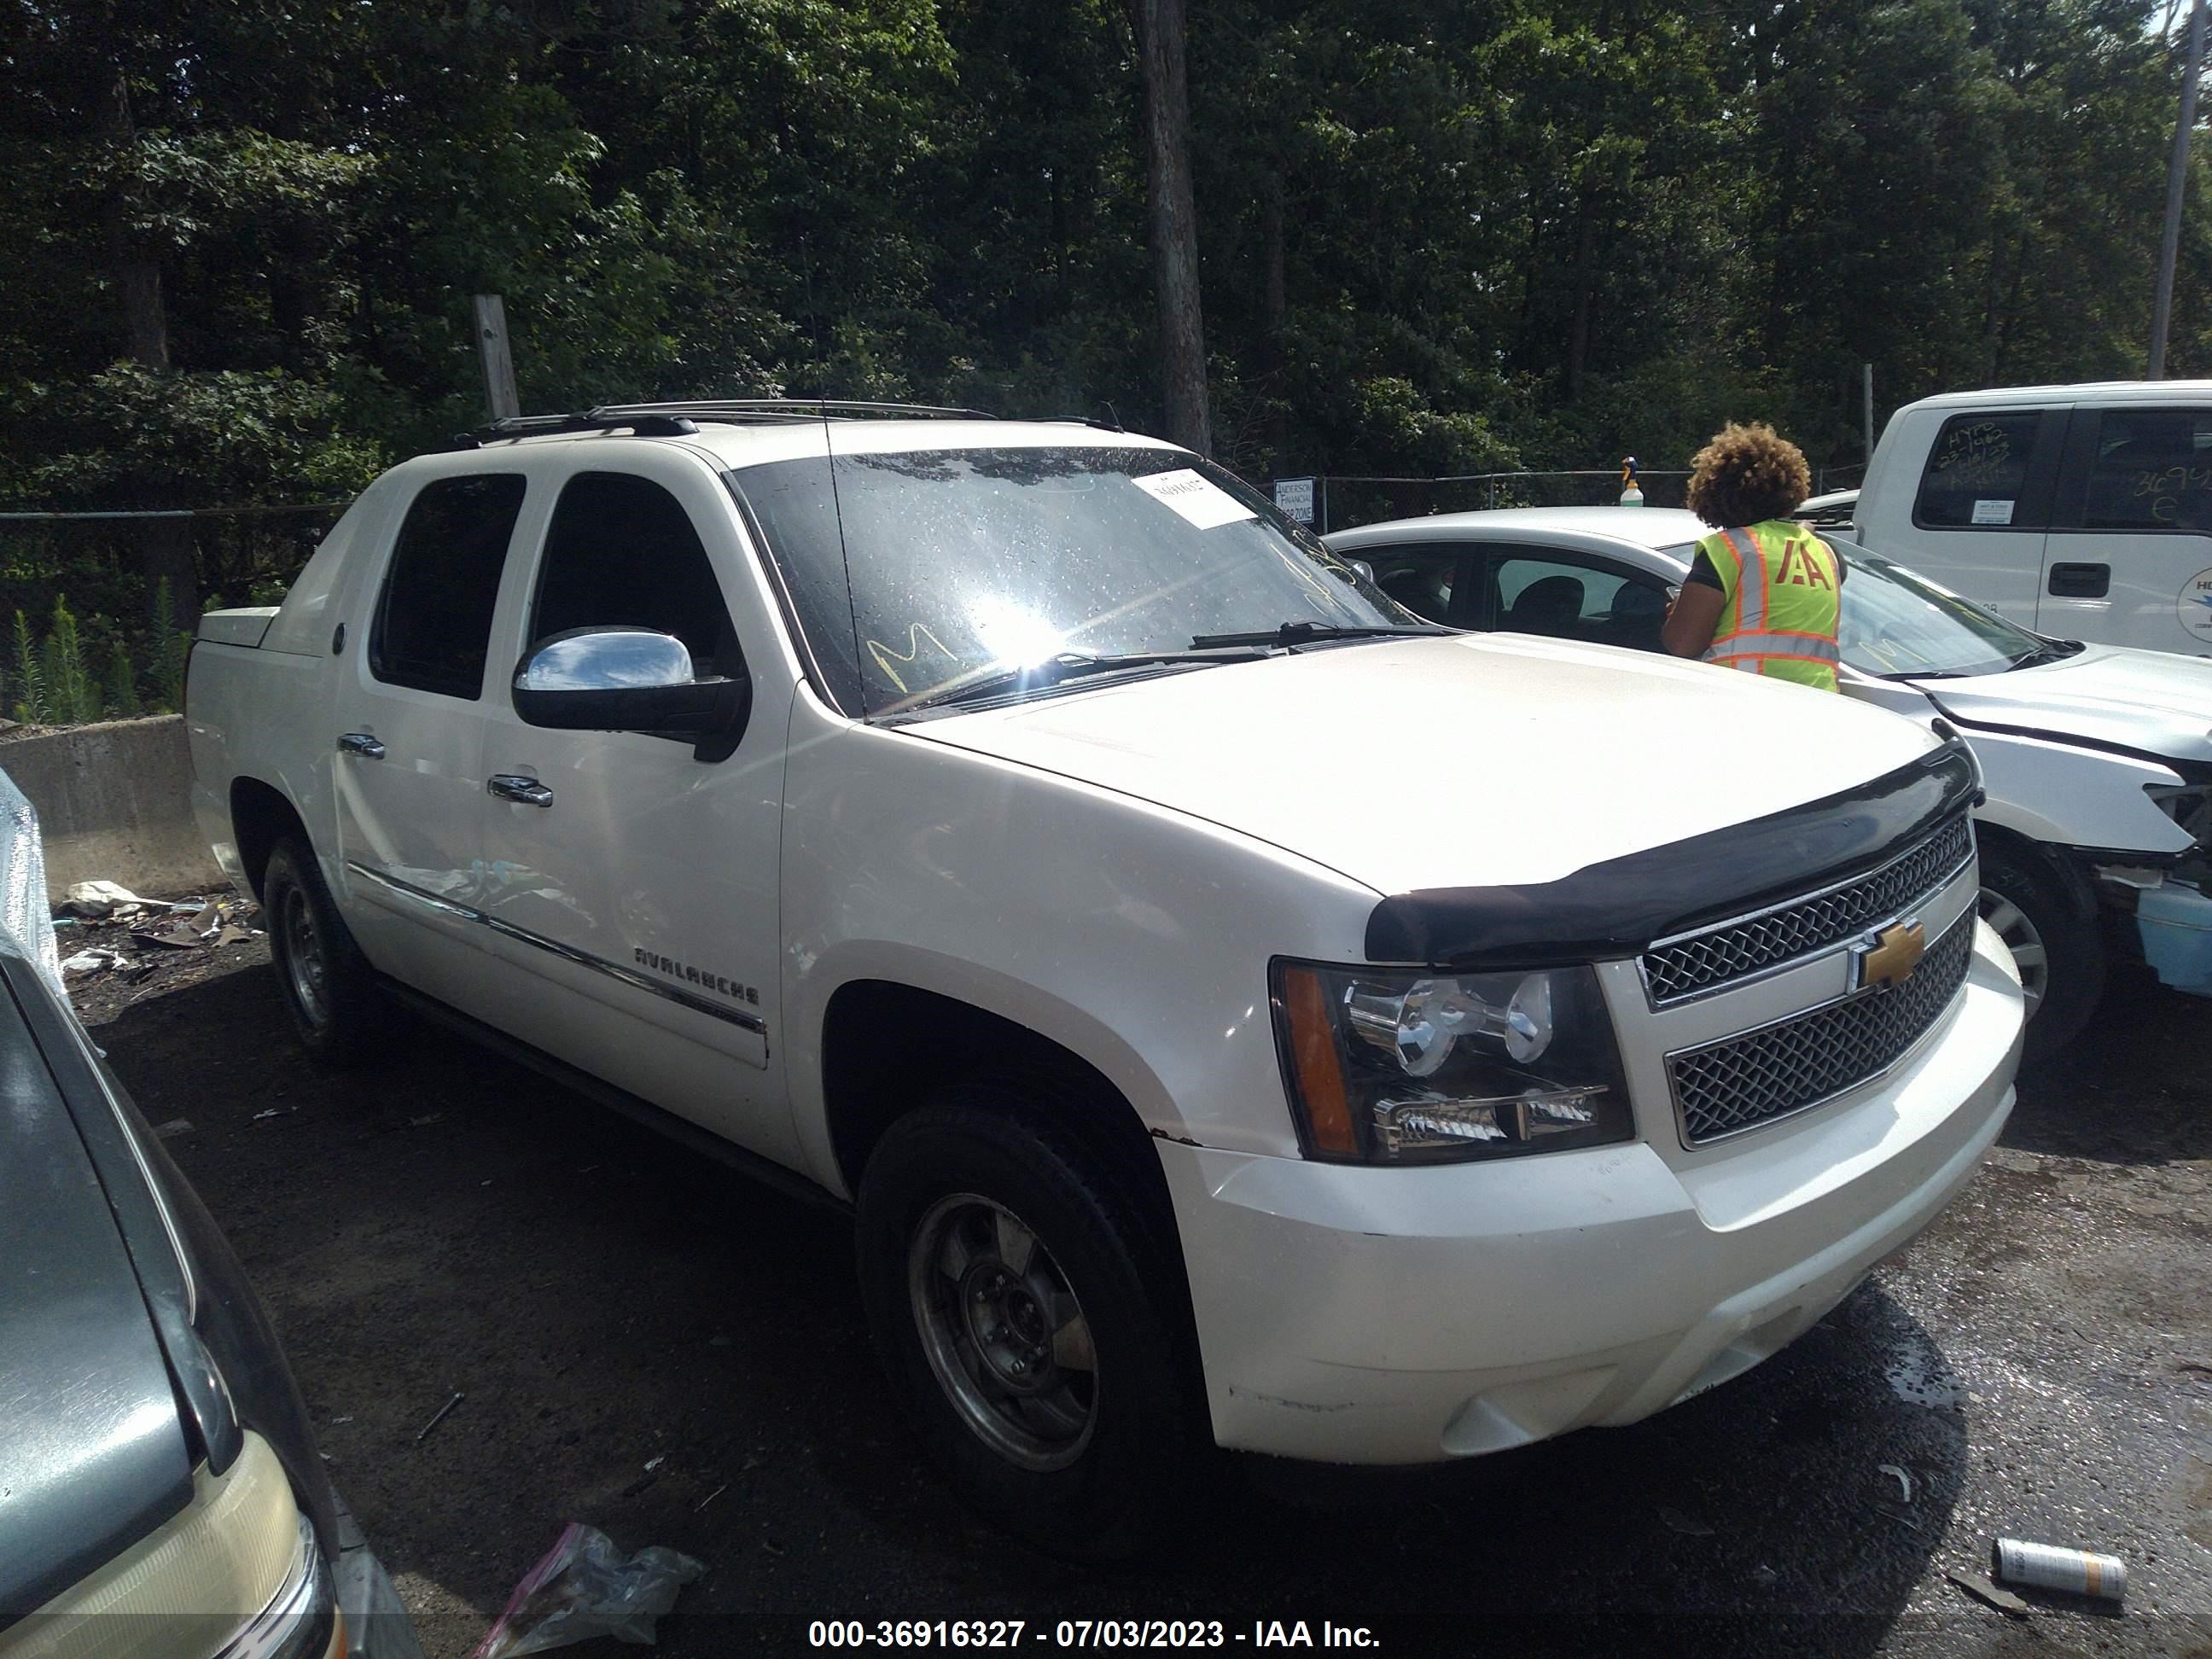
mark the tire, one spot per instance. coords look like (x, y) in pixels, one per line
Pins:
(1080, 1432)
(2055, 941)
(327, 985)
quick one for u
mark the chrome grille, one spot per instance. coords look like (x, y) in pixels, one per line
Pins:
(1741, 1082)
(1735, 950)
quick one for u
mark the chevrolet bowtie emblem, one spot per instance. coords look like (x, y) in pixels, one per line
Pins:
(1889, 957)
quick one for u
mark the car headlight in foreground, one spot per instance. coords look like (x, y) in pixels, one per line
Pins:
(1399, 1067)
(238, 1574)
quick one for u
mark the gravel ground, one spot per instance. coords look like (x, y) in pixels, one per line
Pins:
(674, 1354)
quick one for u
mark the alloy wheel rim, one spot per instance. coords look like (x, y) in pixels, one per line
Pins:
(1004, 1334)
(2029, 953)
(305, 969)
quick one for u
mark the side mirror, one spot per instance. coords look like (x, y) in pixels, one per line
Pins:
(1366, 570)
(627, 679)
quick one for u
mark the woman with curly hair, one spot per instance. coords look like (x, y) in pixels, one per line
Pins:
(1763, 591)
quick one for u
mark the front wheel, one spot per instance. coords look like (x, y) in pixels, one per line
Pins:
(2058, 949)
(1018, 1298)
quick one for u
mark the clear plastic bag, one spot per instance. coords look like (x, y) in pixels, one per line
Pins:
(584, 1587)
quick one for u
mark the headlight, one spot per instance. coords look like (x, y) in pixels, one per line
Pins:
(1391, 1067)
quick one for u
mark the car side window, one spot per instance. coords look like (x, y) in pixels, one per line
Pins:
(1977, 473)
(622, 552)
(2152, 470)
(1422, 578)
(1567, 598)
(433, 626)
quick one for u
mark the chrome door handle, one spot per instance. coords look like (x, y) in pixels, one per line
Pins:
(360, 744)
(509, 787)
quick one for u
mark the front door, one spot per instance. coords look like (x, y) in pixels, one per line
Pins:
(408, 780)
(636, 882)
(1981, 510)
(1571, 596)
(2128, 557)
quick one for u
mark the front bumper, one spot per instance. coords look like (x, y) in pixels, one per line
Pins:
(1378, 1316)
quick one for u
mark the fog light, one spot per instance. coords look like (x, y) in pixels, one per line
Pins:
(1415, 1125)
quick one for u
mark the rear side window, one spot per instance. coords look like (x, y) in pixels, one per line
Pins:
(2152, 470)
(622, 552)
(1977, 473)
(433, 622)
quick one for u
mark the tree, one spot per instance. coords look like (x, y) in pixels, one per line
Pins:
(1174, 221)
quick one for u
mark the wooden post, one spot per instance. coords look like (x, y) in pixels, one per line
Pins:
(498, 361)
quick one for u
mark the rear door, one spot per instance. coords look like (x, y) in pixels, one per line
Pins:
(1982, 507)
(409, 735)
(2129, 559)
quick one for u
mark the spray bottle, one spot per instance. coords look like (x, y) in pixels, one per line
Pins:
(1631, 495)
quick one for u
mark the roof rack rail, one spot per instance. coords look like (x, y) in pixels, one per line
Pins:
(674, 419)
(805, 409)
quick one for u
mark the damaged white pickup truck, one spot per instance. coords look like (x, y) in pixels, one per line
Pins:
(1237, 1011)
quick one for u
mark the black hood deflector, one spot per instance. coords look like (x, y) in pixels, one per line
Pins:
(1618, 907)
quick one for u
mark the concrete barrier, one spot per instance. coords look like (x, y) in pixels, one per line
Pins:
(114, 803)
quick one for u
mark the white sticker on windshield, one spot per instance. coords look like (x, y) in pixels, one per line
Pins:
(1203, 503)
(1992, 512)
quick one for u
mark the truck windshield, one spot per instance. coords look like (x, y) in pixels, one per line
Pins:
(922, 572)
(1899, 626)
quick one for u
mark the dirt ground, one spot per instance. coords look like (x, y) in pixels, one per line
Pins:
(674, 1354)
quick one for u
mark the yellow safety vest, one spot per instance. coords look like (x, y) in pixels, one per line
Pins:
(1781, 583)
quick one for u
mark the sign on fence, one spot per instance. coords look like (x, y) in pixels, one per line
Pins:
(1294, 498)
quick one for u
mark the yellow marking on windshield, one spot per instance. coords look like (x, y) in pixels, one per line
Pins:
(916, 634)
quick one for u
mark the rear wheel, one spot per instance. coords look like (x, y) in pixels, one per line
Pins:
(327, 985)
(2058, 949)
(1017, 1293)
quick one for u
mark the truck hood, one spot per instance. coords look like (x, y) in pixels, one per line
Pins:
(2150, 702)
(1498, 759)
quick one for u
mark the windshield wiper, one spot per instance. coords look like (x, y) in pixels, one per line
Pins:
(2048, 651)
(1070, 665)
(1304, 632)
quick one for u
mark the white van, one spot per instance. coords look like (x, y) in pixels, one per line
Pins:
(2083, 512)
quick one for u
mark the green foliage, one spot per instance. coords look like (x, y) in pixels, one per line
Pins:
(1436, 238)
(120, 693)
(172, 651)
(32, 708)
(72, 696)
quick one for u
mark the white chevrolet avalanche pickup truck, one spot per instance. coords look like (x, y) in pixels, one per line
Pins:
(1235, 1011)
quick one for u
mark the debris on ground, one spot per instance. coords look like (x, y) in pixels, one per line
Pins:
(1904, 1480)
(584, 1587)
(2054, 1566)
(99, 900)
(122, 938)
(710, 1498)
(1982, 1590)
(421, 1433)
(1688, 1526)
(173, 1128)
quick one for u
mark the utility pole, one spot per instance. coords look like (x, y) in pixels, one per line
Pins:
(1866, 390)
(498, 360)
(2177, 175)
